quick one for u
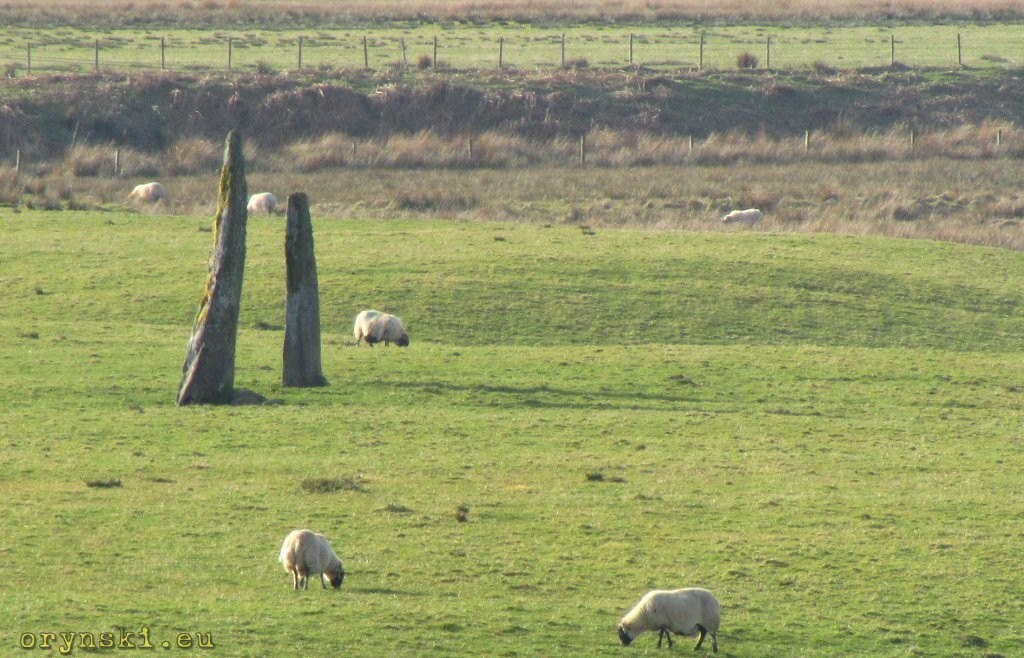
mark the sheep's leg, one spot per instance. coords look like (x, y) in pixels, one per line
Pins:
(703, 633)
(714, 642)
(295, 580)
(661, 633)
(322, 581)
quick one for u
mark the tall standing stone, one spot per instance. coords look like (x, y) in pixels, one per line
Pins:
(208, 375)
(302, 307)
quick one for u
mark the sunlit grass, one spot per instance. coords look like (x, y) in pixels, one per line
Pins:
(822, 430)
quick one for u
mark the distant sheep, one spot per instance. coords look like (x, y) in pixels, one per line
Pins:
(263, 202)
(148, 192)
(305, 553)
(691, 611)
(747, 217)
(377, 327)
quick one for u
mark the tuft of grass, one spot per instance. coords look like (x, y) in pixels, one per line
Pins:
(104, 484)
(333, 485)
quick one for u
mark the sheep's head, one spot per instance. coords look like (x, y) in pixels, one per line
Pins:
(403, 340)
(336, 578)
(624, 635)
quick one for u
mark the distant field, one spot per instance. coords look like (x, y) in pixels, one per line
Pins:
(522, 46)
(225, 11)
(824, 430)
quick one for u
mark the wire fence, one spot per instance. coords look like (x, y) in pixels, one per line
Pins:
(542, 50)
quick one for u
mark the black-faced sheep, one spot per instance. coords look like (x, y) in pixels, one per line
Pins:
(377, 327)
(691, 611)
(747, 217)
(263, 202)
(305, 553)
(148, 192)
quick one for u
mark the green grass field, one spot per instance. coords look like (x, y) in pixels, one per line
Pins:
(470, 46)
(824, 430)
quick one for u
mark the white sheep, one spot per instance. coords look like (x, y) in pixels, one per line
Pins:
(376, 327)
(148, 192)
(305, 553)
(262, 202)
(691, 611)
(747, 217)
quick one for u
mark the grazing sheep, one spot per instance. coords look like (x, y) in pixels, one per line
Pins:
(263, 202)
(747, 217)
(305, 553)
(148, 192)
(376, 327)
(690, 611)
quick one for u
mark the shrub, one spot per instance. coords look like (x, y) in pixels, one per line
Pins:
(424, 62)
(746, 60)
(823, 68)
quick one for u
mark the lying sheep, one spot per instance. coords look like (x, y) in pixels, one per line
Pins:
(305, 553)
(376, 327)
(263, 202)
(691, 611)
(747, 217)
(148, 192)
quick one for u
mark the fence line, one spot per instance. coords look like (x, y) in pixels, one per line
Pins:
(690, 51)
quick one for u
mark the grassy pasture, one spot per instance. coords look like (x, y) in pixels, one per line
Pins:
(824, 430)
(526, 46)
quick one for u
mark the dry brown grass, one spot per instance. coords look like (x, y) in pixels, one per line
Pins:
(957, 185)
(634, 148)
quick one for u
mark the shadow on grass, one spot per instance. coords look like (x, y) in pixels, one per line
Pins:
(546, 397)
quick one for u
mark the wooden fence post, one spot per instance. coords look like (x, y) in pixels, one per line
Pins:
(163, 54)
(229, 52)
(913, 139)
(435, 54)
(999, 137)
(807, 141)
(768, 52)
(300, 52)
(689, 144)
(405, 59)
(700, 60)
(117, 162)
(959, 52)
(583, 149)
(631, 49)
(501, 55)
(28, 51)
(563, 50)
(17, 162)
(97, 54)
(892, 49)
(366, 56)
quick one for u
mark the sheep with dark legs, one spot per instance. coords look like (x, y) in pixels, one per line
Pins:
(691, 611)
(305, 553)
(376, 327)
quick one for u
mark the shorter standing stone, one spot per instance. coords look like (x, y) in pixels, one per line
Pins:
(302, 307)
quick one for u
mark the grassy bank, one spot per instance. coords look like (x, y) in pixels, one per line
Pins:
(824, 430)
